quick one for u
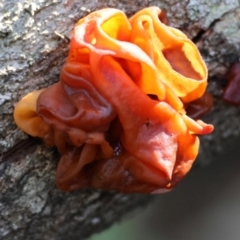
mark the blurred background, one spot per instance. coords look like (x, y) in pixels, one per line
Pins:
(204, 206)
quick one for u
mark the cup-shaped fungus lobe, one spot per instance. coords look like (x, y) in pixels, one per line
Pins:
(117, 115)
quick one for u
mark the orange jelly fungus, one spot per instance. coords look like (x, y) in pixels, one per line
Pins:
(117, 114)
(231, 93)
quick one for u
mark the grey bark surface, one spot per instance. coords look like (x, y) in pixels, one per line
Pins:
(33, 47)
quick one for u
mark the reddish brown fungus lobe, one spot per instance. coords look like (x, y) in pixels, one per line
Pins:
(117, 115)
(231, 93)
(200, 107)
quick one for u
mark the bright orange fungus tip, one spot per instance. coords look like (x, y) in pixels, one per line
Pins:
(117, 114)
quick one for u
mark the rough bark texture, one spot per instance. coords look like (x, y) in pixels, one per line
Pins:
(33, 48)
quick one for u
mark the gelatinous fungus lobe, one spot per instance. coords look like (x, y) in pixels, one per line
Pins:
(231, 93)
(200, 107)
(117, 115)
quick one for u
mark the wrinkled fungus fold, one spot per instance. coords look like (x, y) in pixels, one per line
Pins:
(118, 114)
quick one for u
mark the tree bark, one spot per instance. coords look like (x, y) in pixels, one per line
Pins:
(33, 47)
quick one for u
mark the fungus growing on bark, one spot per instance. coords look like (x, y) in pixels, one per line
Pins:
(117, 115)
(231, 92)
